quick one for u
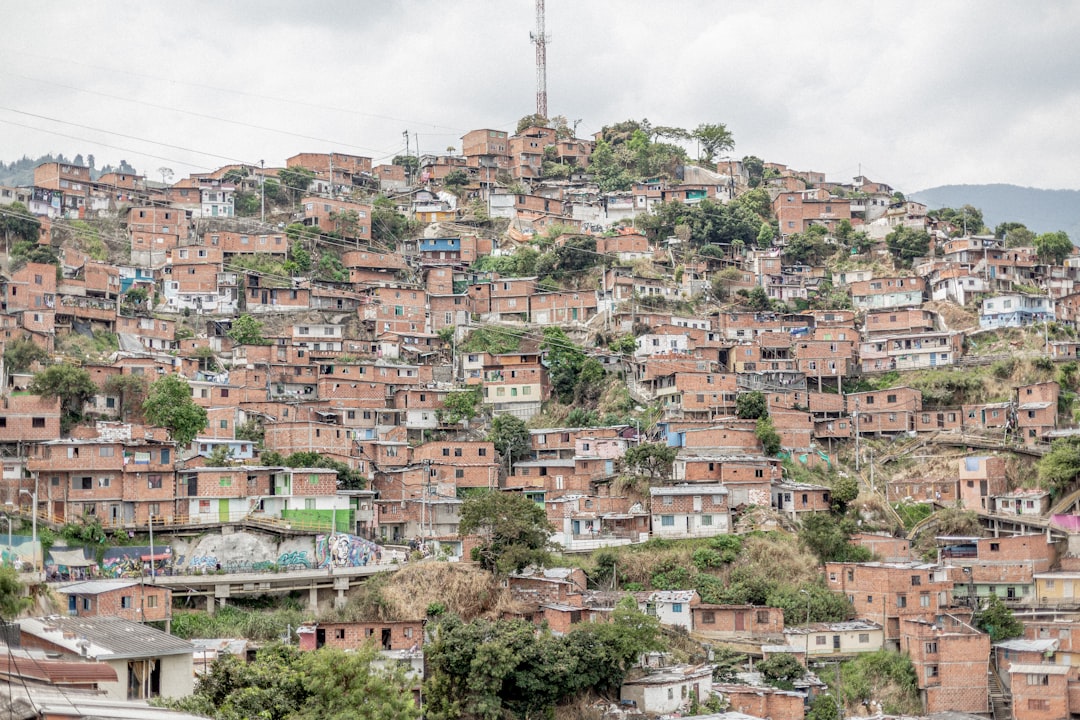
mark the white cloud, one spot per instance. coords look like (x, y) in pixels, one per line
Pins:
(916, 93)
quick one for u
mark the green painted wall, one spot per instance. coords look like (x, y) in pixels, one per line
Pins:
(322, 518)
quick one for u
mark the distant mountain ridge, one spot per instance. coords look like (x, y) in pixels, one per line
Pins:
(1041, 210)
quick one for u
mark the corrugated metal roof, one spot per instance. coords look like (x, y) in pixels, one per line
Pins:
(104, 637)
(64, 672)
(1022, 645)
(96, 587)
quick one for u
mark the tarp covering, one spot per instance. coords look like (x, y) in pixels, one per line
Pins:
(69, 557)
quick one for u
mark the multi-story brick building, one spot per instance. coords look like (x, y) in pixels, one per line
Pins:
(128, 599)
(397, 635)
(951, 660)
(696, 510)
(887, 593)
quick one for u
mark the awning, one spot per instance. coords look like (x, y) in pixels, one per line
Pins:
(69, 558)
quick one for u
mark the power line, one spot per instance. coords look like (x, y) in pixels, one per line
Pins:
(196, 114)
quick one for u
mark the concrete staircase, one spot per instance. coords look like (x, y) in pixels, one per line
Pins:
(1000, 701)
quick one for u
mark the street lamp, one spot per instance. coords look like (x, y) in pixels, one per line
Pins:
(804, 592)
(33, 523)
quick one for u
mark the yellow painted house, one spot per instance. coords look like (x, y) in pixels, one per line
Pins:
(1057, 588)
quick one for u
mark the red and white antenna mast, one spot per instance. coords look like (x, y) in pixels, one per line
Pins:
(540, 39)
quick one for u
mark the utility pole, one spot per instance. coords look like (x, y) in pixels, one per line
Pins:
(540, 39)
(856, 436)
(262, 191)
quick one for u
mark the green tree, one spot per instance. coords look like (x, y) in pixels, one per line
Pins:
(652, 462)
(609, 650)
(824, 707)
(246, 330)
(169, 405)
(1053, 247)
(714, 138)
(26, 251)
(131, 389)
(71, 384)
(354, 685)
(966, 219)
(751, 405)
(455, 180)
(1019, 237)
(758, 299)
(906, 244)
(766, 433)
(1059, 468)
(282, 683)
(845, 488)
(781, 670)
(411, 163)
(824, 604)
(514, 531)
(528, 121)
(564, 361)
(295, 181)
(830, 540)
(19, 355)
(18, 223)
(300, 257)
(809, 248)
(755, 169)
(461, 405)
(12, 598)
(997, 620)
(510, 436)
(388, 224)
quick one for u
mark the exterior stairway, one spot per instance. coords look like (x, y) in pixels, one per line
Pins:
(1000, 701)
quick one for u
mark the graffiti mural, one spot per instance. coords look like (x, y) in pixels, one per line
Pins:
(344, 550)
(135, 561)
(204, 562)
(294, 560)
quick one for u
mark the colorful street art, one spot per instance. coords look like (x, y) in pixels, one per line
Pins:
(344, 550)
(136, 561)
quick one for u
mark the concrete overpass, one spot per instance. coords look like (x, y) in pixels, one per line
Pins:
(216, 589)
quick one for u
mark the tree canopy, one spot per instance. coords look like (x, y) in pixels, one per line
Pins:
(282, 683)
(19, 355)
(18, 223)
(997, 620)
(246, 330)
(714, 138)
(169, 405)
(906, 244)
(490, 670)
(72, 384)
(514, 531)
(751, 405)
(652, 462)
(12, 600)
(510, 436)
(295, 181)
(1053, 247)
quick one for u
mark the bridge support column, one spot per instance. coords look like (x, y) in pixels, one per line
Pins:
(341, 584)
(313, 599)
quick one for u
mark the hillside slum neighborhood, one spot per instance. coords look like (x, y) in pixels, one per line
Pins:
(359, 369)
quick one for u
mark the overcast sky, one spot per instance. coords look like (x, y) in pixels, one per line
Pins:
(917, 94)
